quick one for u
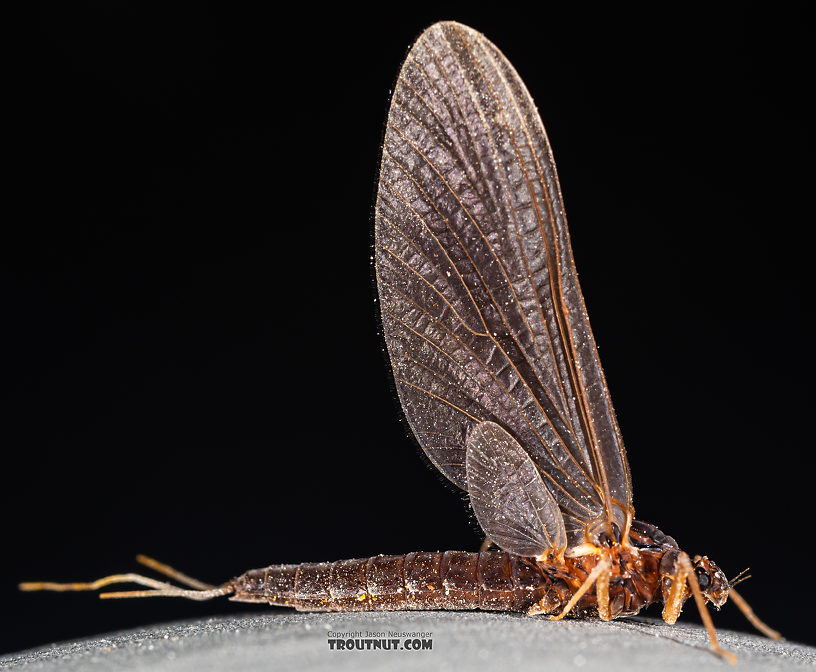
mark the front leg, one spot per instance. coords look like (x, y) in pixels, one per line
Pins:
(678, 593)
(674, 603)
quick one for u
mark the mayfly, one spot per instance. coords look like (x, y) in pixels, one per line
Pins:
(498, 375)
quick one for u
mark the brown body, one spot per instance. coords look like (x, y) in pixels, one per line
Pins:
(491, 580)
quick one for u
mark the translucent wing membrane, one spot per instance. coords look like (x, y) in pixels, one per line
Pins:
(511, 502)
(481, 307)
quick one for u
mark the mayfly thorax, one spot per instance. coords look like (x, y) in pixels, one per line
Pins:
(497, 372)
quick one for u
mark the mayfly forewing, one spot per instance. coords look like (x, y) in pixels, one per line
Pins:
(595, 414)
(480, 304)
(511, 502)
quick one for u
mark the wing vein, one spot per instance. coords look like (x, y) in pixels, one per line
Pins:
(478, 359)
(489, 292)
(568, 340)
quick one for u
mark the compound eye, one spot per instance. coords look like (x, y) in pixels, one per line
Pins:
(703, 578)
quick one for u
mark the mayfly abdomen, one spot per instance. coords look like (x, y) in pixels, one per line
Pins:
(493, 580)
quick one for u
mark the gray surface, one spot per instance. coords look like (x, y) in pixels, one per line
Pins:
(461, 640)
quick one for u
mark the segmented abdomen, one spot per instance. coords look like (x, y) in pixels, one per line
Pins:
(491, 580)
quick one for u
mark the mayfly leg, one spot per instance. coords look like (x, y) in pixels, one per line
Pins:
(746, 610)
(201, 590)
(487, 545)
(602, 569)
(685, 572)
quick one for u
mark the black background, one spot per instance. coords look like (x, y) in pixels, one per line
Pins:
(193, 365)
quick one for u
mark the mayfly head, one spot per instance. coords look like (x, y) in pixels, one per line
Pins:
(712, 581)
